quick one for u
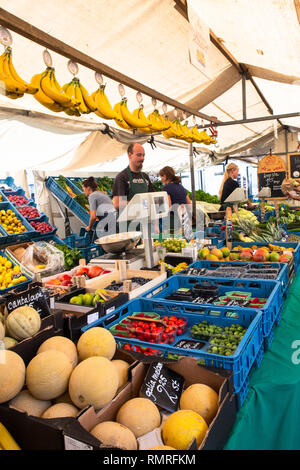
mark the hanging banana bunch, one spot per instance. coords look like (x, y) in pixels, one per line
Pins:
(119, 118)
(157, 122)
(104, 108)
(11, 84)
(78, 93)
(136, 119)
(50, 94)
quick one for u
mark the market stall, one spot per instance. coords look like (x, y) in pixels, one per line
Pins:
(123, 342)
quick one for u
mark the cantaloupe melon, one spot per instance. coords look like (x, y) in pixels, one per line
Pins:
(47, 374)
(24, 401)
(94, 381)
(61, 410)
(12, 374)
(202, 399)
(96, 341)
(122, 369)
(162, 448)
(23, 322)
(181, 427)
(9, 342)
(63, 344)
(140, 415)
(114, 434)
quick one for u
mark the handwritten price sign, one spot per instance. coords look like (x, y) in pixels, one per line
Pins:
(163, 386)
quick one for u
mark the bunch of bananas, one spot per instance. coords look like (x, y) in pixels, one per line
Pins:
(76, 92)
(182, 132)
(11, 84)
(50, 94)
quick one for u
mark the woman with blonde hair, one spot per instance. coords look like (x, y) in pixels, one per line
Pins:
(229, 183)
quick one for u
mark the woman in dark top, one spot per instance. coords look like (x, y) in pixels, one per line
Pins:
(229, 183)
(176, 194)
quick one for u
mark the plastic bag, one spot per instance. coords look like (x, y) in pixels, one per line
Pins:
(42, 257)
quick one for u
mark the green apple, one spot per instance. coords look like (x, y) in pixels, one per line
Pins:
(88, 299)
(76, 300)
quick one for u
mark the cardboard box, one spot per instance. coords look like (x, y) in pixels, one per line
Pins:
(32, 433)
(220, 427)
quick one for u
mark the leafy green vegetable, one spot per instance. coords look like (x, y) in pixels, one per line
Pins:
(82, 200)
(71, 255)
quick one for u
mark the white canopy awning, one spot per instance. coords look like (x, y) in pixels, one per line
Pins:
(149, 41)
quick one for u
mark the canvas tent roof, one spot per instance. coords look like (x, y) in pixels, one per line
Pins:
(148, 40)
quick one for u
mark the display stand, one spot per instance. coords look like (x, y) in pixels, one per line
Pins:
(146, 208)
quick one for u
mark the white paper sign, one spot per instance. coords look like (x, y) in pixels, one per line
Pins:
(199, 40)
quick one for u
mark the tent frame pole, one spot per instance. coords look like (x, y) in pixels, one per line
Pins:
(192, 172)
(247, 121)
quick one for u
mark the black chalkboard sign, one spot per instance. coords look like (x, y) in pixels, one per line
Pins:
(294, 165)
(272, 180)
(189, 344)
(163, 386)
(32, 297)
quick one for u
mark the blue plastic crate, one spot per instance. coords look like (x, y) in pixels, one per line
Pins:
(258, 288)
(218, 242)
(85, 244)
(67, 200)
(240, 362)
(8, 181)
(18, 192)
(282, 277)
(58, 191)
(93, 251)
(3, 197)
(17, 287)
(16, 237)
(43, 236)
(295, 246)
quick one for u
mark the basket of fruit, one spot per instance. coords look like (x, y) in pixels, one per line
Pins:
(11, 276)
(42, 226)
(14, 226)
(29, 211)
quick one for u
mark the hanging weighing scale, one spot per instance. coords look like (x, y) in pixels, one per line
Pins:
(145, 208)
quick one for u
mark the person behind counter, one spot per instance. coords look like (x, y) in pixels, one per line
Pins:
(177, 195)
(229, 183)
(101, 208)
(132, 180)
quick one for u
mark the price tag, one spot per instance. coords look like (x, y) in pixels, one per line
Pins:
(190, 253)
(33, 297)
(74, 444)
(92, 317)
(163, 386)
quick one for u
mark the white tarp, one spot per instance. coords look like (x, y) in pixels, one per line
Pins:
(148, 40)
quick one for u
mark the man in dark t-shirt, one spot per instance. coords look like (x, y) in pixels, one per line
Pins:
(132, 180)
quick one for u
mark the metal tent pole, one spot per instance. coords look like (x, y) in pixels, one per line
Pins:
(192, 171)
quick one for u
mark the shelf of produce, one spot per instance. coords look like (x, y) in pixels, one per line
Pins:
(239, 361)
(16, 285)
(153, 278)
(67, 200)
(292, 245)
(8, 238)
(29, 211)
(259, 289)
(42, 227)
(239, 269)
(17, 197)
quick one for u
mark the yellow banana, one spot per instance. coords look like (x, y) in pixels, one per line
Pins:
(7, 442)
(6, 83)
(82, 107)
(69, 89)
(175, 131)
(87, 98)
(187, 134)
(41, 97)
(156, 123)
(29, 89)
(49, 87)
(138, 113)
(103, 105)
(206, 139)
(119, 119)
(14, 96)
(133, 121)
